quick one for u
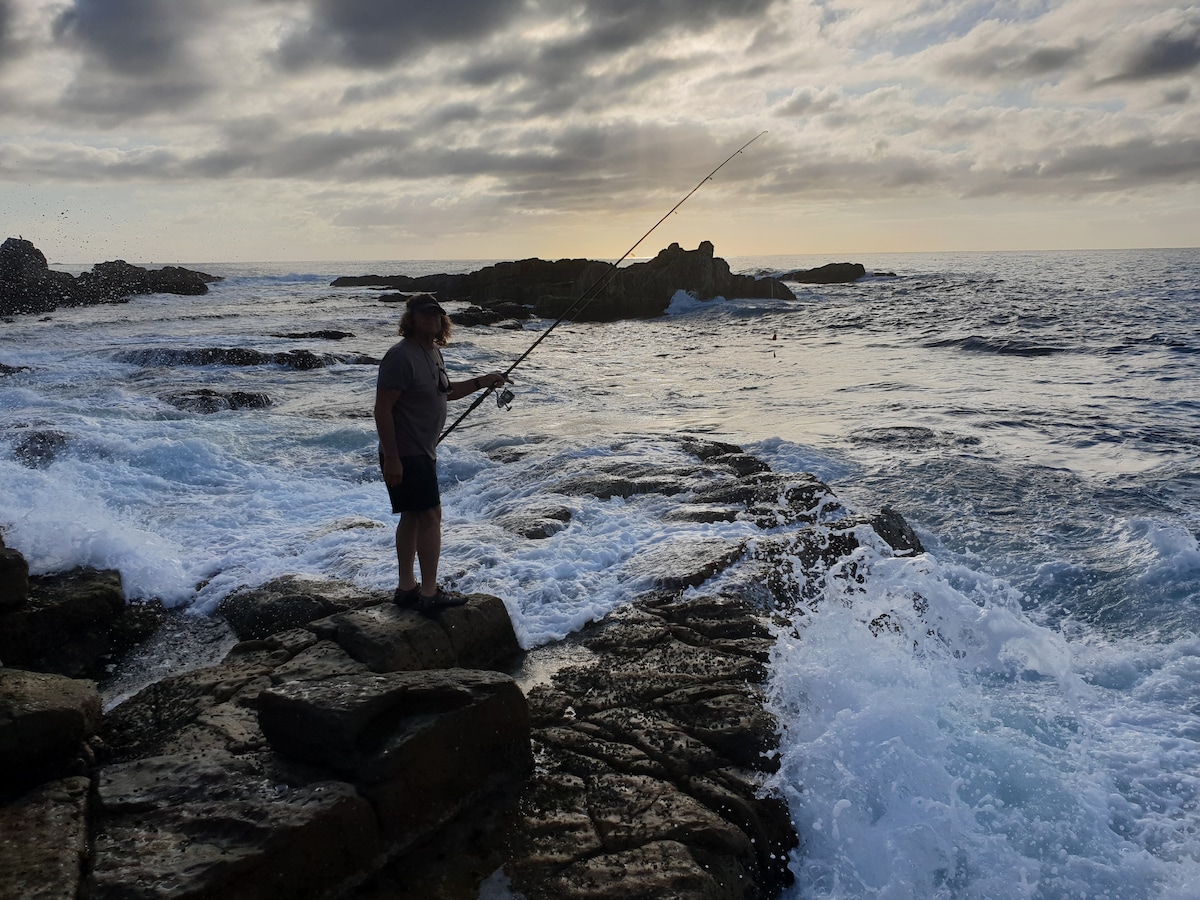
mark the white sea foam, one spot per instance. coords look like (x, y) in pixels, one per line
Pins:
(964, 751)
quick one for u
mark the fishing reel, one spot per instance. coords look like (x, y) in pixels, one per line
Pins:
(504, 399)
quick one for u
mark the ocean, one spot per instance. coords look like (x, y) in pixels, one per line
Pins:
(1034, 417)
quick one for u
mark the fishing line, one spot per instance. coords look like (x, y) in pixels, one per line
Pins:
(506, 396)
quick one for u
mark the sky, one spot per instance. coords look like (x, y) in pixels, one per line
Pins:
(276, 130)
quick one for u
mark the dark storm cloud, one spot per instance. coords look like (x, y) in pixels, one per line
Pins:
(374, 34)
(1164, 55)
(5, 28)
(136, 57)
(1015, 62)
(131, 37)
(1137, 164)
(109, 100)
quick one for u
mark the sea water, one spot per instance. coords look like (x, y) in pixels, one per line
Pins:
(1028, 725)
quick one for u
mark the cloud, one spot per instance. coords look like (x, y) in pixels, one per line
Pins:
(371, 34)
(138, 38)
(1166, 54)
(6, 24)
(136, 56)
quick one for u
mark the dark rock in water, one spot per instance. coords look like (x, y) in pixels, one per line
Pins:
(37, 449)
(301, 360)
(12, 370)
(890, 526)
(651, 763)
(536, 523)
(116, 281)
(44, 721)
(74, 624)
(832, 273)
(326, 335)
(641, 290)
(26, 283)
(28, 286)
(492, 312)
(206, 400)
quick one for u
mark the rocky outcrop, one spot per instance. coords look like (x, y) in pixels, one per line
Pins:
(28, 286)
(75, 623)
(651, 760)
(832, 273)
(640, 290)
(26, 283)
(346, 747)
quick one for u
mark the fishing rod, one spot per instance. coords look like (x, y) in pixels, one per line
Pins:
(579, 305)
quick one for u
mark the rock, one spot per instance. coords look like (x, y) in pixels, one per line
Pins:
(300, 360)
(831, 273)
(37, 449)
(44, 720)
(651, 759)
(288, 602)
(74, 623)
(386, 638)
(682, 563)
(28, 286)
(14, 580)
(536, 523)
(44, 841)
(323, 335)
(505, 290)
(292, 770)
(206, 400)
(422, 746)
(26, 283)
(219, 826)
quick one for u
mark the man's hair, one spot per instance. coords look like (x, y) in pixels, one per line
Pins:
(407, 328)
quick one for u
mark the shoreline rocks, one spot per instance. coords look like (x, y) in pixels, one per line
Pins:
(28, 286)
(345, 747)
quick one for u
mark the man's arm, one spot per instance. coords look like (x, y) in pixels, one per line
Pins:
(385, 402)
(460, 389)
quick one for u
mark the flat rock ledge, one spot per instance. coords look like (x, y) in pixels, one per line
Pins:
(371, 752)
(650, 763)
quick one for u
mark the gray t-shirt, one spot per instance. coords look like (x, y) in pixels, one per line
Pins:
(420, 413)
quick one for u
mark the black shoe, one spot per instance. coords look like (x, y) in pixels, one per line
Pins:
(407, 599)
(442, 600)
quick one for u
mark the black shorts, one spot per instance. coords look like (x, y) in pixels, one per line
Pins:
(419, 489)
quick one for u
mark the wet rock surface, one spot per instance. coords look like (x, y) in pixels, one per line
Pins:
(650, 762)
(75, 623)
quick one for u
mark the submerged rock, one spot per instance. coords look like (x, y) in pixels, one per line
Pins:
(831, 273)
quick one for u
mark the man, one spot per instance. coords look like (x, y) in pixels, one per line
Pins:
(410, 413)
